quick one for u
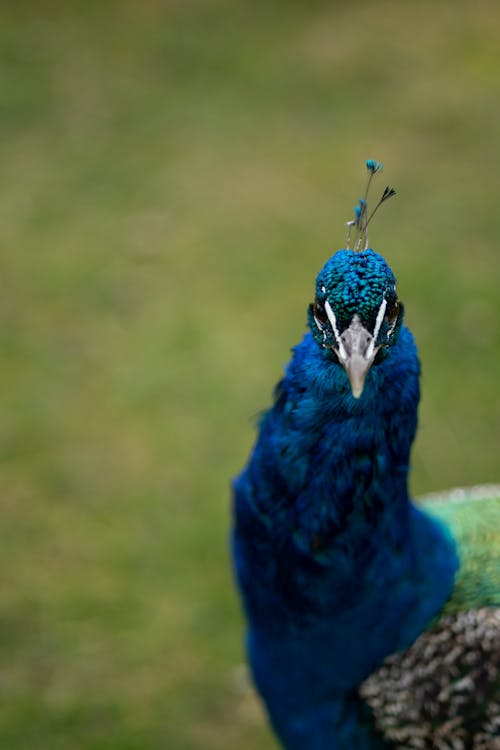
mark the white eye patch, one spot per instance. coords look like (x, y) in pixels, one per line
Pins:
(333, 322)
(376, 330)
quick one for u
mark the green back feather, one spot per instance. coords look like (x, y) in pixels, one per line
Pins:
(473, 516)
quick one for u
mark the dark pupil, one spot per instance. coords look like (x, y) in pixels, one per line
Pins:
(320, 312)
(392, 312)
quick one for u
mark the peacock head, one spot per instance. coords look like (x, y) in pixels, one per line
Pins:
(356, 315)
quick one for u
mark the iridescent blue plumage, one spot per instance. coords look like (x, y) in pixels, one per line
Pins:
(337, 567)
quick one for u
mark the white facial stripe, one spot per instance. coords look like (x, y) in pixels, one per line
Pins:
(333, 322)
(389, 332)
(378, 323)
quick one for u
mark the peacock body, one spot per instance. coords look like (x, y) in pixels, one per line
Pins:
(342, 576)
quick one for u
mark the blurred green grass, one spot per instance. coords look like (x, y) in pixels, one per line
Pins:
(172, 176)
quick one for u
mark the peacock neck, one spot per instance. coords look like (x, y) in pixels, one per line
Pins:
(354, 483)
(325, 498)
(348, 569)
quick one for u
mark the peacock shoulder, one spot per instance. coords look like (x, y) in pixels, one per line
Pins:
(443, 691)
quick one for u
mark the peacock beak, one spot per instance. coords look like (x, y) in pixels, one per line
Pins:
(356, 354)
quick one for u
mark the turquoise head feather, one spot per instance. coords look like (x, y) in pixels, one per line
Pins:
(356, 315)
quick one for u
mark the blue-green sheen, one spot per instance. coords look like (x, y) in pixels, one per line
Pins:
(474, 521)
(355, 283)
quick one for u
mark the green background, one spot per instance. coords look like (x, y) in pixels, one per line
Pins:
(172, 177)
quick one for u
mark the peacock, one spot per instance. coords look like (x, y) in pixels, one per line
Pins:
(373, 621)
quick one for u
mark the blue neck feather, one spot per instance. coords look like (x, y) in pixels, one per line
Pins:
(337, 567)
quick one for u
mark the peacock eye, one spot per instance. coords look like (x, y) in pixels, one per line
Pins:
(392, 312)
(320, 312)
